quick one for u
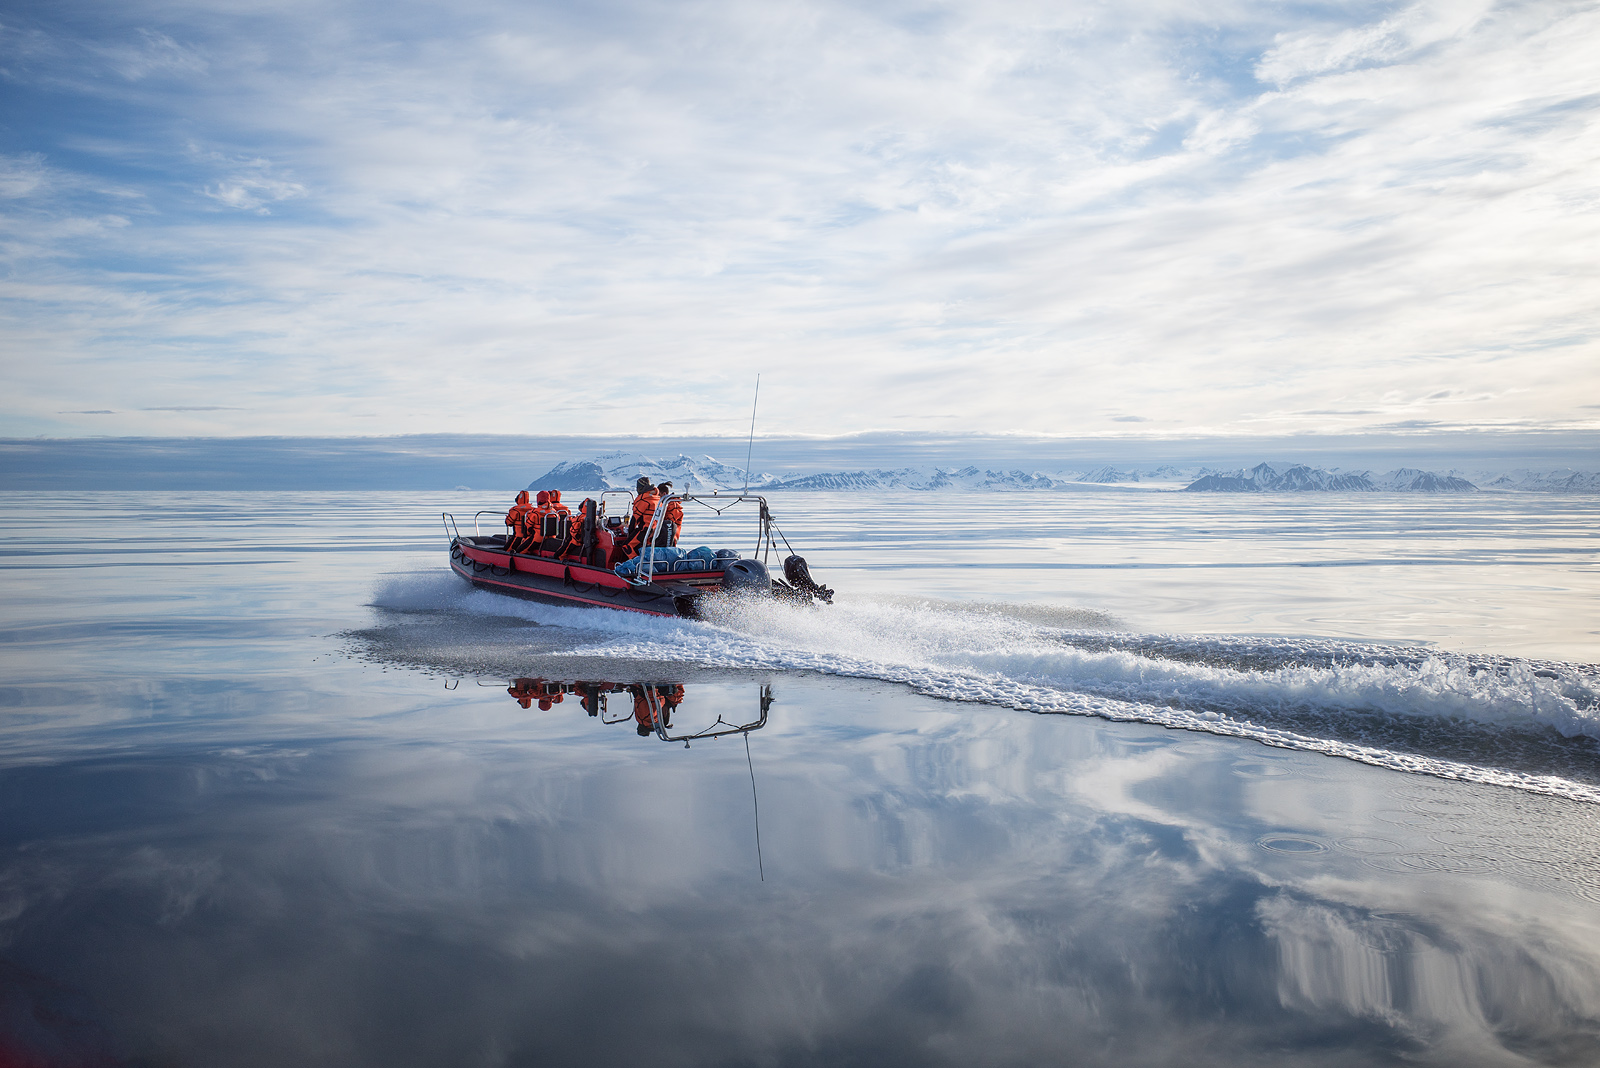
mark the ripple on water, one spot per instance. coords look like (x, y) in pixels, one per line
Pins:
(1367, 846)
(1456, 863)
(1290, 843)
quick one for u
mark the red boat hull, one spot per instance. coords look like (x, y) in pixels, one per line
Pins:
(485, 562)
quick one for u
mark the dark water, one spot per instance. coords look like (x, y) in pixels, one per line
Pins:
(250, 820)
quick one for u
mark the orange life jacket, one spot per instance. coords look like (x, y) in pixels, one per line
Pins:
(517, 517)
(644, 506)
(673, 513)
(643, 714)
(561, 512)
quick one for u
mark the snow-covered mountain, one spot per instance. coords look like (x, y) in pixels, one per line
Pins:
(620, 470)
(1562, 480)
(1411, 480)
(920, 478)
(704, 474)
(1300, 478)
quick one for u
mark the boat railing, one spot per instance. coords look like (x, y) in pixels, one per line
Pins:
(717, 503)
(646, 572)
(454, 532)
(606, 718)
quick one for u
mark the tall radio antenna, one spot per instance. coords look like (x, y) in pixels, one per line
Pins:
(751, 447)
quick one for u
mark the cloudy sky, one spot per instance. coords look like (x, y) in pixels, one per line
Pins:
(1157, 218)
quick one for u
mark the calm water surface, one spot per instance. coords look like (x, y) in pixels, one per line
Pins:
(268, 799)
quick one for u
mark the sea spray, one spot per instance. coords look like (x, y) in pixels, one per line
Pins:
(1512, 722)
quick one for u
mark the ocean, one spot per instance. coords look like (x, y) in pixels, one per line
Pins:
(1104, 777)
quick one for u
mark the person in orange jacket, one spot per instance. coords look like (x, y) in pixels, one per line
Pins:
(518, 520)
(644, 506)
(536, 520)
(555, 503)
(667, 696)
(674, 513)
(561, 510)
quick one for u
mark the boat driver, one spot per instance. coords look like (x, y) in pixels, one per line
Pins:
(644, 507)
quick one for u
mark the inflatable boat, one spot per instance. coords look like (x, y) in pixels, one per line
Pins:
(572, 561)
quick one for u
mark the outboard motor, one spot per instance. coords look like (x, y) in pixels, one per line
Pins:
(746, 576)
(799, 576)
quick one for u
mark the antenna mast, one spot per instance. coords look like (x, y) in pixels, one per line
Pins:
(751, 447)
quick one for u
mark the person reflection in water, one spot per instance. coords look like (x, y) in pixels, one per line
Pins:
(524, 690)
(650, 700)
(527, 691)
(647, 699)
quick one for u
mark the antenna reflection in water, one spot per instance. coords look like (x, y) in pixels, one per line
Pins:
(651, 709)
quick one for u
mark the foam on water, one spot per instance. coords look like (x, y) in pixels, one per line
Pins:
(1498, 720)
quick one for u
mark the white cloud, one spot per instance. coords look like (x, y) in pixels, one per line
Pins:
(150, 53)
(251, 186)
(1036, 216)
(1301, 53)
(22, 176)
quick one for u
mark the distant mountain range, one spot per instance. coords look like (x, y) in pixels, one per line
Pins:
(1298, 478)
(1564, 480)
(620, 470)
(704, 474)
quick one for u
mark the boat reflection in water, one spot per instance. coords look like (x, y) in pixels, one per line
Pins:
(648, 705)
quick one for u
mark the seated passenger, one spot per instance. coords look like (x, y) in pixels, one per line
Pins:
(589, 547)
(518, 520)
(564, 526)
(644, 507)
(532, 522)
(555, 503)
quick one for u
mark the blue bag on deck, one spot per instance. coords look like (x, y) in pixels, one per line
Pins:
(662, 560)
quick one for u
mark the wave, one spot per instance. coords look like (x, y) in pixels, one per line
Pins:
(1532, 725)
